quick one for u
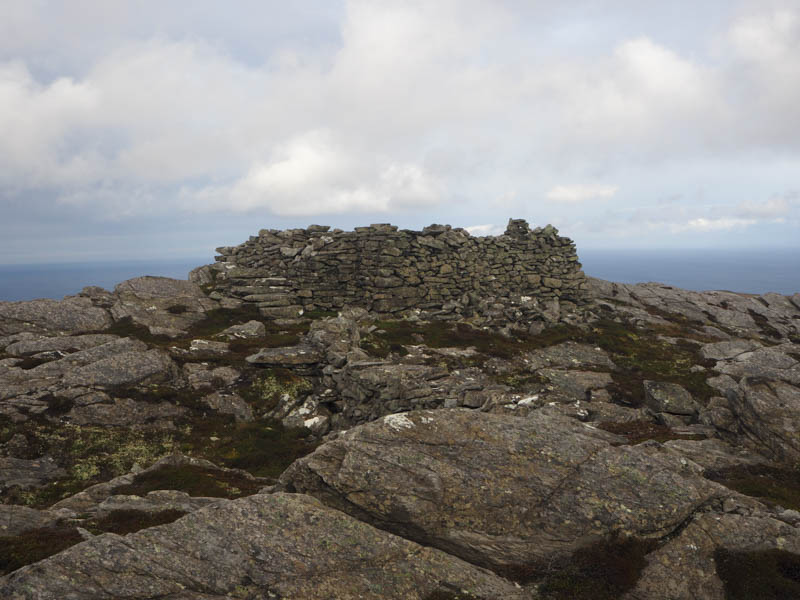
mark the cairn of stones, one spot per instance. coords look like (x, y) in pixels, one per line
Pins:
(439, 270)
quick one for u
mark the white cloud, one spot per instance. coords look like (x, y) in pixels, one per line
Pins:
(313, 174)
(411, 105)
(719, 224)
(774, 208)
(576, 194)
(484, 230)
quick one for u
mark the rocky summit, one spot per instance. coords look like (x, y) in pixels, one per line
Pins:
(400, 414)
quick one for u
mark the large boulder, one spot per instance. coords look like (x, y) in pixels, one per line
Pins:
(68, 316)
(768, 416)
(688, 566)
(166, 306)
(66, 344)
(262, 546)
(670, 398)
(23, 473)
(498, 490)
(128, 368)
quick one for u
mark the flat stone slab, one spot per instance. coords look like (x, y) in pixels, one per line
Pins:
(68, 343)
(28, 473)
(287, 356)
(500, 490)
(72, 315)
(671, 398)
(261, 546)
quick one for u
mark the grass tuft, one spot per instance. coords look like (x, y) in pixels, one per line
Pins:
(34, 545)
(603, 571)
(759, 575)
(772, 485)
(194, 480)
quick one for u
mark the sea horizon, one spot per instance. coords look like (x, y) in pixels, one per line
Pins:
(751, 271)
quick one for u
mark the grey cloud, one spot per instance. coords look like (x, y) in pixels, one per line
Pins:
(125, 111)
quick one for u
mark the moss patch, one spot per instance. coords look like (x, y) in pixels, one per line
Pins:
(263, 448)
(520, 382)
(125, 327)
(391, 336)
(639, 353)
(123, 522)
(762, 575)
(194, 480)
(35, 545)
(603, 571)
(268, 386)
(771, 485)
(88, 454)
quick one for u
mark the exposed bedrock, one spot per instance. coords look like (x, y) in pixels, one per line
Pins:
(498, 490)
(262, 546)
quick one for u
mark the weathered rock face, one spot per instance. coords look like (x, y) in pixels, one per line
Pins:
(499, 490)
(112, 364)
(262, 546)
(669, 398)
(68, 316)
(768, 415)
(686, 567)
(166, 306)
(386, 270)
(560, 443)
(727, 314)
(27, 473)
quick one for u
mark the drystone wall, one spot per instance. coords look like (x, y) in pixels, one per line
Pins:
(387, 270)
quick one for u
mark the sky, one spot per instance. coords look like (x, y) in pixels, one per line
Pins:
(164, 129)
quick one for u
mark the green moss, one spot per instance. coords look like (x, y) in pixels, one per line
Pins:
(194, 480)
(35, 545)
(772, 485)
(262, 448)
(640, 354)
(603, 571)
(520, 382)
(123, 522)
(125, 327)
(88, 454)
(267, 388)
(759, 575)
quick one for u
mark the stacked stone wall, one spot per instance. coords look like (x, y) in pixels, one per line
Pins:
(387, 270)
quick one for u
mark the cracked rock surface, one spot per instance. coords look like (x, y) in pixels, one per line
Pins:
(286, 546)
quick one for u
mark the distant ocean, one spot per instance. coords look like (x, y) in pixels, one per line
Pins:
(751, 271)
(26, 282)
